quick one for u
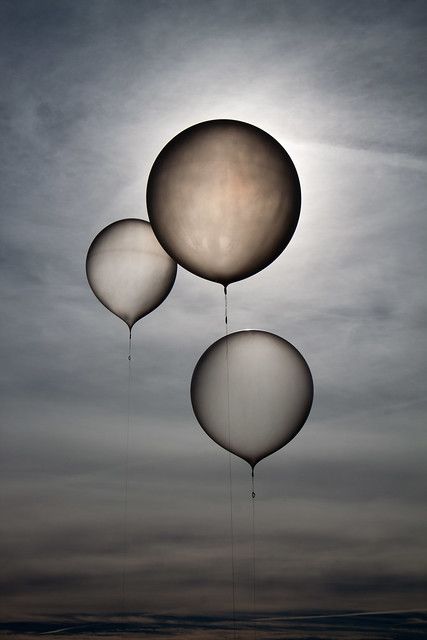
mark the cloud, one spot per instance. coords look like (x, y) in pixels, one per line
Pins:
(91, 94)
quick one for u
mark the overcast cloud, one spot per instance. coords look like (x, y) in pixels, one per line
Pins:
(91, 93)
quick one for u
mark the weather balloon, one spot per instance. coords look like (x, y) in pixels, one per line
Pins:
(128, 270)
(252, 392)
(223, 199)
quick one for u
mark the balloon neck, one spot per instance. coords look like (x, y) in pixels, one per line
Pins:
(253, 484)
(225, 289)
(130, 344)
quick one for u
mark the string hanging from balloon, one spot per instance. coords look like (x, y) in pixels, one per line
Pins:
(254, 607)
(126, 476)
(230, 474)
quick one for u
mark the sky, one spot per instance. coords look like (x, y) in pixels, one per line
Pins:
(91, 92)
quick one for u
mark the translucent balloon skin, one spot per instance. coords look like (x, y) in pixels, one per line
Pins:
(258, 402)
(223, 198)
(128, 270)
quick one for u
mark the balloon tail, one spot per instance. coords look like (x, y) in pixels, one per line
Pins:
(226, 310)
(126, 477)
(230, 475)
(253, 559)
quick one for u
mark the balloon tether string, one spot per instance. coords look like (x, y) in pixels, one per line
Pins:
(253, 558)
(230, 477)
(126, 478)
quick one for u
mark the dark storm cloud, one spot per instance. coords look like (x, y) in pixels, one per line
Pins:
(91, 92)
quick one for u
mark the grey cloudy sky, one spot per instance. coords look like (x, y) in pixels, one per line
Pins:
(91, 91)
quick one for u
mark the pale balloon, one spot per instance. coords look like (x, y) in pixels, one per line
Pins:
(128, 270)
(252, 392)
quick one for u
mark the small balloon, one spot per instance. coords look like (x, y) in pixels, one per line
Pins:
(128, 270)
(223, 198)
(251, 392)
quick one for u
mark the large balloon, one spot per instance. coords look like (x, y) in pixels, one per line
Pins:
(251, 392)
(128, 270)
(223, 199)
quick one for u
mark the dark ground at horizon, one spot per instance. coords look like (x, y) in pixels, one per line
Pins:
(305, 625)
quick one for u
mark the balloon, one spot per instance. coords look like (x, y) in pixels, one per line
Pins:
(128, 270)
(251, 392)
(223, 199)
